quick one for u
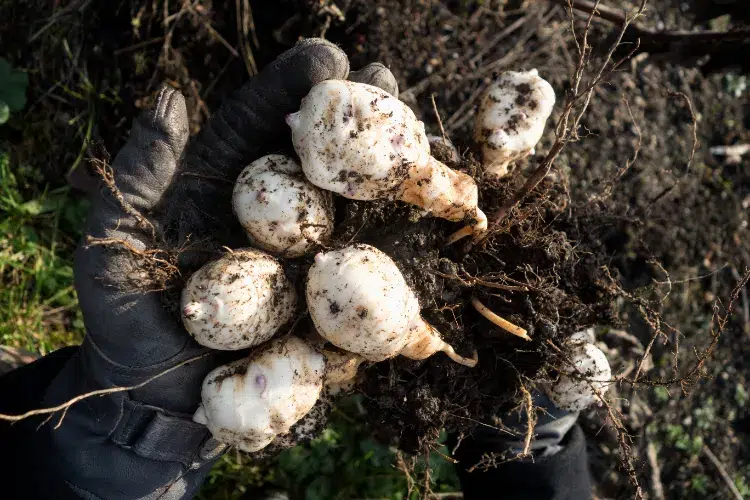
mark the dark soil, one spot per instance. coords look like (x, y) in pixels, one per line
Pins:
(673, 233)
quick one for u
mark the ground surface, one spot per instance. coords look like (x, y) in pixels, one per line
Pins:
(672, 231)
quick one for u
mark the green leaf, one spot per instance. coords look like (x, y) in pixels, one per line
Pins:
(13, 84)
(4, 112)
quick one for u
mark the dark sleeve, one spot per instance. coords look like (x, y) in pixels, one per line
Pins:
(562, 476)
(22, 390)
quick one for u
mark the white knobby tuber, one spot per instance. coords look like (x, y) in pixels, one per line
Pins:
(362, 143)
(341, 370)
(237, 301)
(583, 378)
(249, 402)
(511, 117)
(359, 301)
(280, 210)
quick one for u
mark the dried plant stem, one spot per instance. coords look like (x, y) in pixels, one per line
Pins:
(439, 120)
(722, 472)
(99, 392)
(655, 38)
(653, 460)
(501, 322)
(530, 422)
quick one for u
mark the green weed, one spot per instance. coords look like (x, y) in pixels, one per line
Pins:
(699, 484)
(345, 462)
(678, 437)
(742, 482)
(39, 230)
(13, 84)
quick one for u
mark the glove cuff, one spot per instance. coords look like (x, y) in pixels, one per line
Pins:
(104, 442)
(153, 433)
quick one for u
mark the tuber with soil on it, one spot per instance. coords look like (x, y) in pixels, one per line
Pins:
(249, 402)
(237, 301)
(360, 302)
(364, 144)
(510, 119)
(279, 209)
(584, 378)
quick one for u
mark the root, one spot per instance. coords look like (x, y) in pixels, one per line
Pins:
(157, 264)
(459, 235)
(451, 353)
(100, 392)
(157, 267)
(530, 422)
(501, 322)
(105, 172)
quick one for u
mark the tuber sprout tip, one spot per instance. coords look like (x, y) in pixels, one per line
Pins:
(478, 230)
(292, 119)
(461, 360)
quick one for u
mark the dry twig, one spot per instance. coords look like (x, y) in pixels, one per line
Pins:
(653, 461)
(656, 40)
(99, 392)
(246, 24)
(530, 422)
(722, 472)
(437, 116)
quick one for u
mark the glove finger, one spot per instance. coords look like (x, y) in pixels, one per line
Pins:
(249, 124)
(113, 270)
(378, 75)
(145, 166)
(252, 119)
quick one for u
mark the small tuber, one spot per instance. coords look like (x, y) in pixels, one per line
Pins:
(511, 117)
(237, 301)
(360, 302)
(362, 143)
(249, 402)
(582, 376)
(280, 210)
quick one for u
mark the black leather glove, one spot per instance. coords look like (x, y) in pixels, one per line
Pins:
(143, 443)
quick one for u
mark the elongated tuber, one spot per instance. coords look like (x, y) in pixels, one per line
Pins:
(510, 119)
(360, 302)
(362, 143)
(237, 301)
(280, 210)
(249, 402)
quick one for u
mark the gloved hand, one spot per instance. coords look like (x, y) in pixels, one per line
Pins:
(556, 467)
(143, 443)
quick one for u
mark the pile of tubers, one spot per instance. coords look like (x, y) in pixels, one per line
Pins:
(356, 141)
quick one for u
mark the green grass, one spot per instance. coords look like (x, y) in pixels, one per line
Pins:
(345, 462)
(39, 229)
